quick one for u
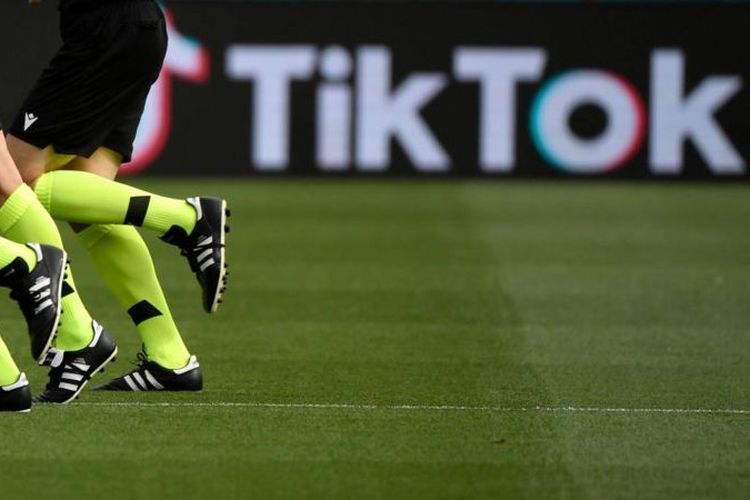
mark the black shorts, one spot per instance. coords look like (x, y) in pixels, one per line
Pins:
(94, 90)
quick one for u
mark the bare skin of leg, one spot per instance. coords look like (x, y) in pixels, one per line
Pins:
(33, 162)
(10, 178)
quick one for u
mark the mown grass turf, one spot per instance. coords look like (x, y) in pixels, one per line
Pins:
(468, 294)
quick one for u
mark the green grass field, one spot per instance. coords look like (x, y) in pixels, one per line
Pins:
(429, 340)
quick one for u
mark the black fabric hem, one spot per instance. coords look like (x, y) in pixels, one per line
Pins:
(82, 151)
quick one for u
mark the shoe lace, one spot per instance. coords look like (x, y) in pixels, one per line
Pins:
(192, 260)
(141, 358)
(32, 299)
(61, 366)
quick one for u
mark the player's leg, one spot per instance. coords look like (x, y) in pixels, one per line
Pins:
(197, 225)
(124, 262)
(89, 99)
(34, 273)
(23, 218)
(82, 347)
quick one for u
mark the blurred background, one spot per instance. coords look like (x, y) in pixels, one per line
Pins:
(616, 89)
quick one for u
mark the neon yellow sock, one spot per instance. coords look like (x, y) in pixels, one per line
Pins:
(90, 199)
(22, 219)
(10, 251)
(9, 372)
(124, 262)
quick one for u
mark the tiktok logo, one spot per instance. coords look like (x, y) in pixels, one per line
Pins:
(557, 100)
(186, 59)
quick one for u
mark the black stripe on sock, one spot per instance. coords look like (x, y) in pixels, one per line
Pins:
(142, 311)
(66, 289)
(137, 209)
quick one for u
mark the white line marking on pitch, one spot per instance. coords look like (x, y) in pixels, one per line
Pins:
(427, 408)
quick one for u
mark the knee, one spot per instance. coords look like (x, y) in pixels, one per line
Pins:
(30, 177)
(29, 160)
